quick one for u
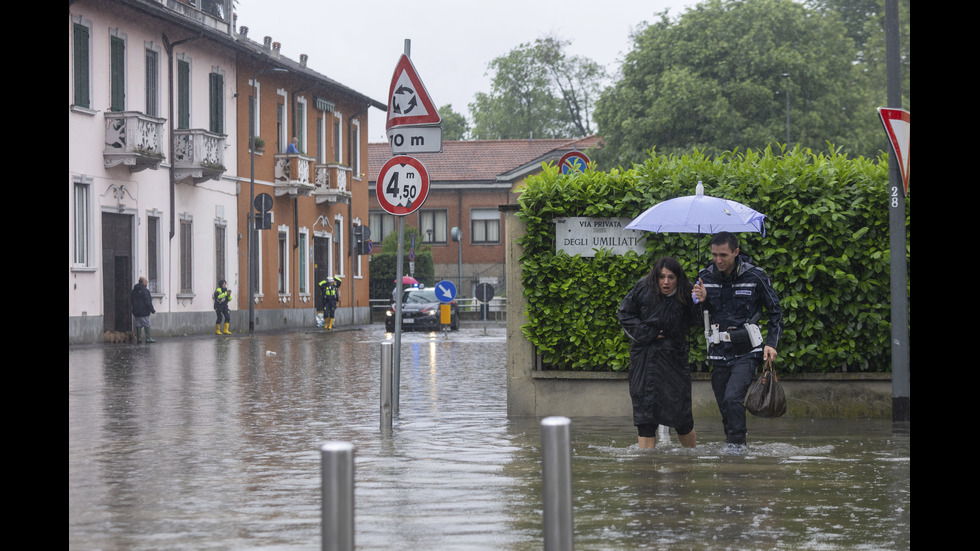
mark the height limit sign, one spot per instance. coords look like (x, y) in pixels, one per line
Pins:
(403, 185)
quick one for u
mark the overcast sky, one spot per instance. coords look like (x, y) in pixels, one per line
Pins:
(358, 42)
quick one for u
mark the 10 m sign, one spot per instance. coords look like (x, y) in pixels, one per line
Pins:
(403, 184)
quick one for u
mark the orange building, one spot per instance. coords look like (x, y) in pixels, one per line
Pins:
(317, 192)
(468, 181)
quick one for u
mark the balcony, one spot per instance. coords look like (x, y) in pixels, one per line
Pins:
(199, 155)
(133, 139)
(331, 183)
(293, 175)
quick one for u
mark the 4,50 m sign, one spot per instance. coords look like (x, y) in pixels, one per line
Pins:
(403, 185)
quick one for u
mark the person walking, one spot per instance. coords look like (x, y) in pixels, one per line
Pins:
(221, 297)
(735, 292)
(331, 297)
(657, 316)
(142, 308)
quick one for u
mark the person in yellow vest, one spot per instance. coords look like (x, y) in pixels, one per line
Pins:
(331, 297)
(221, 297)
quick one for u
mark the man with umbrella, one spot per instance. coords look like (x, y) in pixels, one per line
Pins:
(734, 292)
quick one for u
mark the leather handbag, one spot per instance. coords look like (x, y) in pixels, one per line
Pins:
(766, 397)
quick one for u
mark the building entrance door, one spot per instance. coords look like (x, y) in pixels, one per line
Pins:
(117, 271)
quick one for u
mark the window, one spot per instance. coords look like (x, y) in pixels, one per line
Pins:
(303, 250)
(153, 251)
(83, 221)
(320, 146)
(338, 239)
(186, 254)
(301, 124)
(281, 114)
(355, 149)
(485, 226)
(216, 95)
(283, 272)
(254, 107)
(117, 71)
(432, 224)
(183, 92)
(82, 62)
(356, 260)
(381, 224)
(337, 149)
(152, 81)
(220, 247)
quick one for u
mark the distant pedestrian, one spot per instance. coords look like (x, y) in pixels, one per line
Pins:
(142, 308)
(330, 288)
(221, 297)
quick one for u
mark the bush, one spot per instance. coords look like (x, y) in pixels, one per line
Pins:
(825, 248)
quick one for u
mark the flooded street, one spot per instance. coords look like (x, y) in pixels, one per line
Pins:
(213, 443)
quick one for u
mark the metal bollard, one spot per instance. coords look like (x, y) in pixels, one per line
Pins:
(556, 474)
(337, 517)
(387, 360)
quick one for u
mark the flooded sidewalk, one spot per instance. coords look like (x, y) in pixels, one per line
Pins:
(213, 443)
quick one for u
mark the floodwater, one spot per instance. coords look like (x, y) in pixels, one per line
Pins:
(213, 443)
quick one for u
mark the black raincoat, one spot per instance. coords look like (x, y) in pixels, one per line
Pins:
(660, 379)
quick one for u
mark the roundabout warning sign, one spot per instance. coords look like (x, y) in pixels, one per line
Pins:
(403, 185)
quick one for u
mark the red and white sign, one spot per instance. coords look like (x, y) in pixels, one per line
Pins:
(898, 123)
(408, 101)
(403, 185)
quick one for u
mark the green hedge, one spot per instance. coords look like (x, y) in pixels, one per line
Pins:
(826, 250)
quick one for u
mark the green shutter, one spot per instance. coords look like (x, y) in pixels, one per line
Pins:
(82, 42)
(217, 83)
(183, 95)
(117, 78)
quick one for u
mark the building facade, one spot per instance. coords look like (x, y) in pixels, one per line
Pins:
(160, 170)
(151, 114)
(316, 191)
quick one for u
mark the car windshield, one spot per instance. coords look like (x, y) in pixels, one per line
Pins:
(419, 296)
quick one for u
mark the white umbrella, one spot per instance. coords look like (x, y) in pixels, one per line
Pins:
(699, 213)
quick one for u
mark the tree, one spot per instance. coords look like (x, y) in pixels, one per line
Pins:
(716, 79)
(454, 125)
(537, 90)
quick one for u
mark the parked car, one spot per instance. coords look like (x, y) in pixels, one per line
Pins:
(420, 312)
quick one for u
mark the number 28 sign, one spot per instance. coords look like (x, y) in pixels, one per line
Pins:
(403, 184)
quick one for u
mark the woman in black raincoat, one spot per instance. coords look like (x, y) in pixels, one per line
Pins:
(657, 315)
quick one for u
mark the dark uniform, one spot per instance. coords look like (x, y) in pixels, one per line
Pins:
(331, 296)
(733, 301)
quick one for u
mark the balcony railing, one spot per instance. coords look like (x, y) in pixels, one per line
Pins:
(293, 174)
(331, 183)
(199, 155)
(133, 139)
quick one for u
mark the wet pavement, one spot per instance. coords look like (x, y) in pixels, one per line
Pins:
(213, 443)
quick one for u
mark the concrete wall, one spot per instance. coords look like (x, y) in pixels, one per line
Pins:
(535, 393)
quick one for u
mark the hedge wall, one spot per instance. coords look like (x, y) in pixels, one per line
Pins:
(826, 250)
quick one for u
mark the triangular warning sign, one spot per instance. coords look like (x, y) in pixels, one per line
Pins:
(408, 101)
(898, 123)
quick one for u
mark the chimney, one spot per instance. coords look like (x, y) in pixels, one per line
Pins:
(303, 59)
(276, 46)
(267, 42)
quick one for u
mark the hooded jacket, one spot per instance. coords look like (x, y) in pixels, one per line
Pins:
(737, 299)
(142, 302)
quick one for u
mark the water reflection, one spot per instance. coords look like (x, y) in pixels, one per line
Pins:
(213, 444)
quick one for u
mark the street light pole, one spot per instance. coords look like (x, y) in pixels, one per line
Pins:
(786, 76)
(254, 104)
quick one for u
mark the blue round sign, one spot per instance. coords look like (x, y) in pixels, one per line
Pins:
(445, 291)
